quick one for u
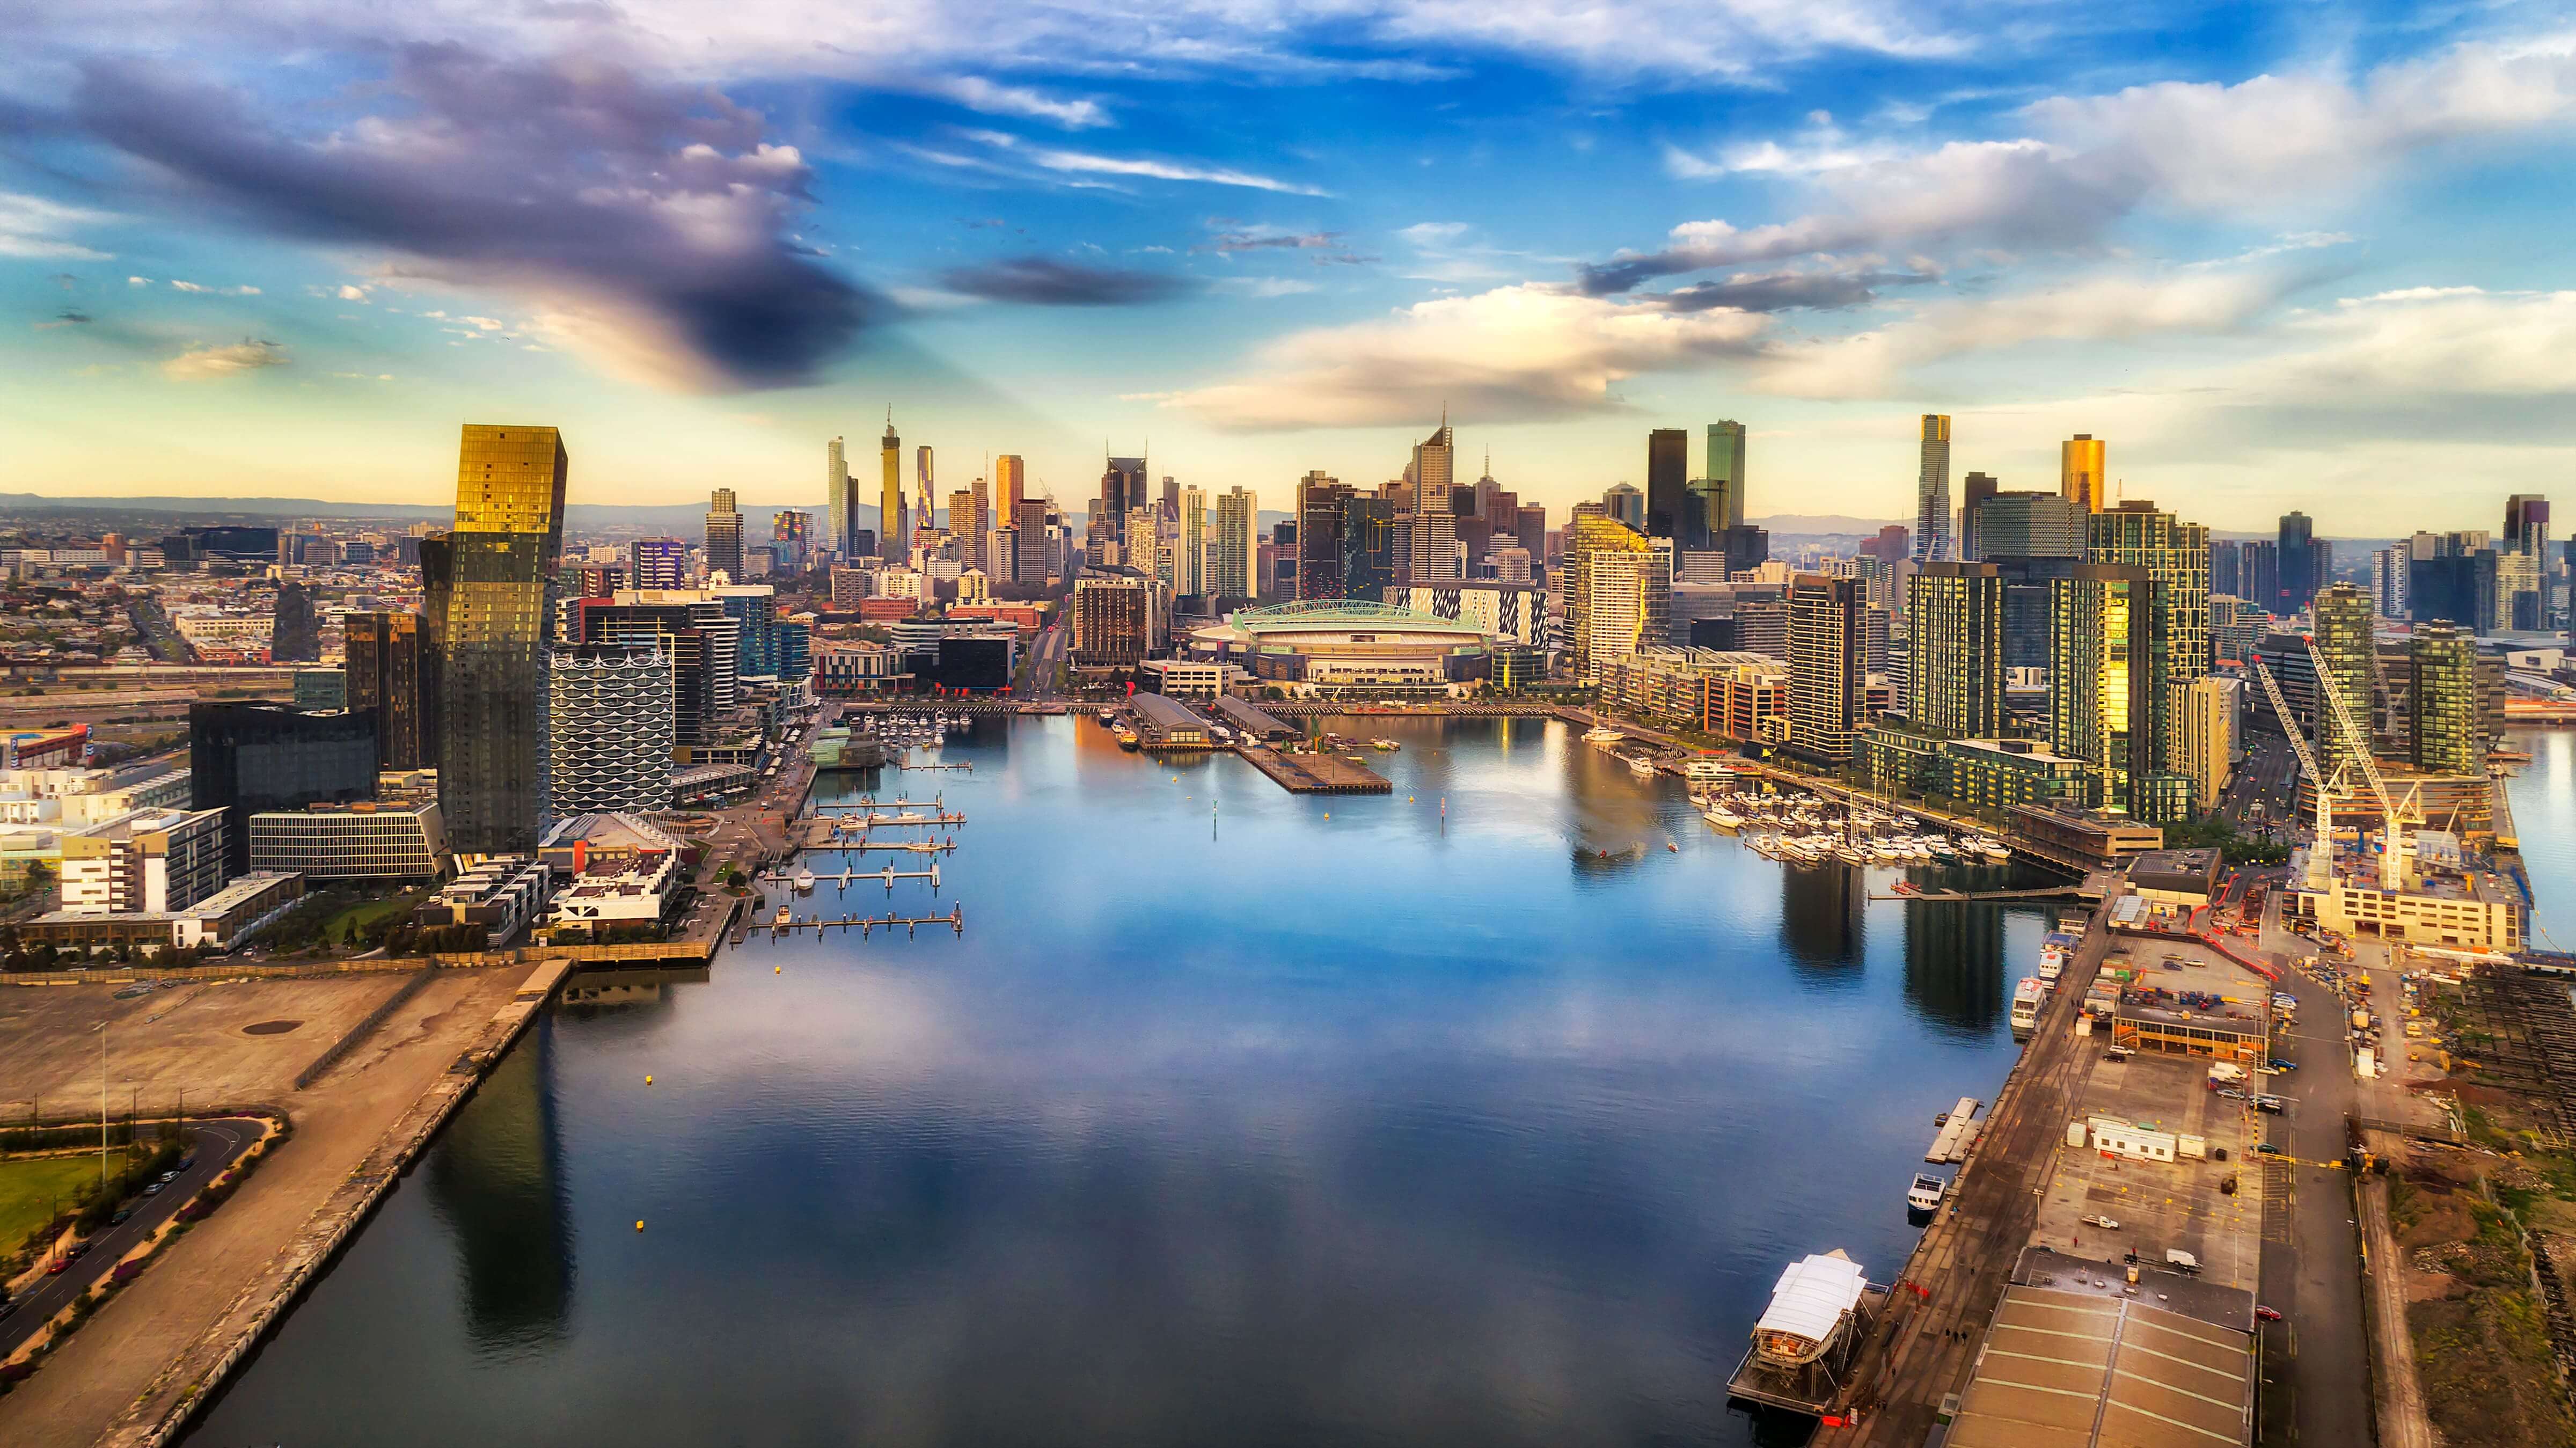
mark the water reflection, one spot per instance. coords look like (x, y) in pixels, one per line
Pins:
(1954, 963)
(497, 1181)
(1822, 922)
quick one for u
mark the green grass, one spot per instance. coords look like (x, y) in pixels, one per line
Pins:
(29, 1189)
(365, 914)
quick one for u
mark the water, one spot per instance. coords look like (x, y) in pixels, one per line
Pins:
(2544, 818)
(1311, 1122)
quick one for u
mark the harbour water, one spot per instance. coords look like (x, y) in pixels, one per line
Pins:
(1234, 1117)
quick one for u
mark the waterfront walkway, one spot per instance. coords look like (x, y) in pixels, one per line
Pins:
(1925, 1346)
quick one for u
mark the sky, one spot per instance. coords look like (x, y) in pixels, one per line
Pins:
(2293, 256)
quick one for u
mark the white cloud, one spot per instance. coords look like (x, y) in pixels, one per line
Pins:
(213, 291)
(1266, 286)
(138, 281)
(2415, 343)
(353, 294)
(1521, 353)
(1085, 162)
(31, 226)
(191, 287)
(207, 362)
(979, 94)
(1433, 233)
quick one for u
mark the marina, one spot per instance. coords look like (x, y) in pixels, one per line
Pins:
(866, 925)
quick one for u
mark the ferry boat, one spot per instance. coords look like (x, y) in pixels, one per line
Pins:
(1815, 1302)
(1602, 734)
(1925, 1195)
(2025, 1007)
(1127, 739)
(2054, 952)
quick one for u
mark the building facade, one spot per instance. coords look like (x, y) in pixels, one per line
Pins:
(153, 862)
(1828, 664)
(2210, 720)
(246, 758)
(2108, 677)
(488, 599)
(612, 734)
(1932, 491)
(2176, 555)
(1955, 653)
(2080, 472)
(392, 664)
(362, 841)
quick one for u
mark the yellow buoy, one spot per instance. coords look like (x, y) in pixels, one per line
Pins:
(639, 1224)
(1328, 814)
(648, 1079)
(778, 970)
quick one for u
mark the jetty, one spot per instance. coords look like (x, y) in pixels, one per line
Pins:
(866, 925)
(871, 820)
(1316, 773)
(850, 875)
(1957, 1133)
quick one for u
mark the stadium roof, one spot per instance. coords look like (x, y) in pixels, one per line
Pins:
(1326, 613)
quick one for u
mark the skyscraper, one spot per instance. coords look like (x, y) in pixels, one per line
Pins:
(489, 600)
(724, 536)
(1628, 600)
(1667, 480)
(2106, 687)
(392, 666)
(2259, 573)
(1320, 501)
(610, 730)
(926, 510)
(894, 538)
(2226, 568)
(1623, 504)
(1010, 484)
(2388, 570)
(1726, 470)
(2526, 524)
(1193, 570)
(841, 498)
(2176, 555)
(2209, 737)
(2079, 471)
(2346, 640)
(1955, 616)
(1433, 471)
(1230, 563)
(1828, 666)
(2443, 680)
(2298, 581)
(1932, 491)
(1368, 547)
(1591, 530)
(1974, 492)
(658, 562)
(1029, 524)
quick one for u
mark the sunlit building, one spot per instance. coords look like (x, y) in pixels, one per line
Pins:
(485, 588)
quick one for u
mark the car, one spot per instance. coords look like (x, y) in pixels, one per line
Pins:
(2266, 1148)
(168, 1177)
(7, 1306)
(2272, 1105)
(187, 1161)
(58, 1266)
(2279, 1064)
(153, 1190)
(2267, 1314)
(2096, 1219)
(118, 1219)
(2231, 1093)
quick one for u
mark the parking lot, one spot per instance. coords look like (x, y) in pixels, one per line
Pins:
(2161, 1205)
(229, 1043)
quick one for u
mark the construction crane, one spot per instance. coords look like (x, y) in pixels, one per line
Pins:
(2321, 853)
(2395, 865)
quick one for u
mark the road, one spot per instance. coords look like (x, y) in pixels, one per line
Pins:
(1054, 645)
(2316, 1375)
(2265, 789)
(218, 1144)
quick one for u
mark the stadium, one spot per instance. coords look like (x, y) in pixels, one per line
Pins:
(1331, 644)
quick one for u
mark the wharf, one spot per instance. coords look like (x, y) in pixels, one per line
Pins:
(850, 875)
(955, 920)
(1956, 1133)
(1316, 773)
(1924, 1347)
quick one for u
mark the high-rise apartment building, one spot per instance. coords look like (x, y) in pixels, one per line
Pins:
(490, 607)
(1192, 569)
(155, 861)
(1955, 652)
(2176, 555)
(1010, 484)
(1932, 490)
(1590, 531)
(2226, 568)
(2388, 567)
(2028, 525)
(2298, 561)
(2209, 737)
(894, 534)
(1974, 491)
(2261, 575)
(841, 498)
(392, 665)
(724, 536)
(1726, 474)
(2080, 465)
(2106, 688)
(1431, 547)
(611, 732)
(2448, 728)
(791, 540)
(658, 563)
(1828, 666)
(1029, 524)
(1230, 563)
(1628, 600)
(2526, 524)
(1668, 500)
(1321, 544)
(2348, 642)
(1625, 505)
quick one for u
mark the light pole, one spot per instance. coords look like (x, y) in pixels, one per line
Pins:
(102, 1108)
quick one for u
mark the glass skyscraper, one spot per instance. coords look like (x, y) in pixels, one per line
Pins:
(1932, 491)
(488, 605)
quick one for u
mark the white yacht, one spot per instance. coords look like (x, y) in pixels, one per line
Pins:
(1602, 734)
(1724, 818)
(1926, 1193)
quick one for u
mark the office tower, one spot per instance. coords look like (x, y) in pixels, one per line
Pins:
(1169, 504)
(1975, 491)
(2209, 737)
(2298, 563)
(894, 535)
(754, 609)
(1628, 600)
(1625, 506)
(2107, 682)
(391, 662)
(2453, 588)
(1590, 531)
(1745, 549)
(1955, 652)
(2388, 567)
(294, 634)
(1320, 501)
(1369, 548)
(791, 536)
(926, 508)
(724, 536)
(2449, 733)
(701, 636)
(489, 602)
(247, 758)
(2226, 568)
(658, 563)
(1192, 572)
(1433, 471)
(1726, 473)
(1010, 484)
(961, 529)
(1531, 529)
(1667, 478)
(2176, 555)
(1029, 521)
(2345, 638)
(1230, 565)
(1932, 491)
(1828, 666)
(840, 498)
(1890, 546)
(2516, 600)
(610, 735)
(2260, 573)
(2526, 524)
(2079, 472)
(1432, 554)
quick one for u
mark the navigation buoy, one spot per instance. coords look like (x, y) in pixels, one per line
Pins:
(639, 1224)
(648, 1078)
(778, 970)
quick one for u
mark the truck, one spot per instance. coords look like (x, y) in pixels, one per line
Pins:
(2225, 1073)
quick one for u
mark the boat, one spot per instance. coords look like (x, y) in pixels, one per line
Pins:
(783, 918)
(1127, 739)
(2027, 997)
(1641, 767)
(804, 882)
(1384, 746)
(1814, 1303)
(1602, 734)
(1926, 1193)
(1850, 855)
(2054, 952)
(1724, 818)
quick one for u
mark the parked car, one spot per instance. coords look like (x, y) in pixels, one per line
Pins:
(2278, 1064)
(2273, 1105)
(153, 1190)
(2268, 1149)
(2096, 1219)
(118, 1220)
(2267, 1314)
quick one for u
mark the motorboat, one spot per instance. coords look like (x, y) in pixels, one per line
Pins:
(1926, 1193)
(1641, 767)
(1602, 734)
(1815, 1302)
(804, 882)
(1724, 818)
(784, 918)
(1384, 746)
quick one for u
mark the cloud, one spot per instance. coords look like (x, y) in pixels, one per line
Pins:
(1267, 287)
(1044, 282)
(2202, 149)
(1520, 353)
(1433, 233)
(1783, 291)
(67, 317)
(213, 291)
(31, 226)
(978, 94)
(1255, 239)
(644, 222)
(208, 362)
(353, 294)
(1087, 163)
(138, 281)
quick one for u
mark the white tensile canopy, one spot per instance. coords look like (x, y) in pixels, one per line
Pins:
(1812, 1297)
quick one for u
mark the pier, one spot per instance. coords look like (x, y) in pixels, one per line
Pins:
(1316, 773)
(849, 876)
(866, 925)
(1956, 1133)
(872, 820)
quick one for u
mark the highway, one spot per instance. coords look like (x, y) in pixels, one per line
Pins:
(218, 1143)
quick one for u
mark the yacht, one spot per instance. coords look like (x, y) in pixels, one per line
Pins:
(1926, 1193)
(804, 882)
(1724, 818)
(784, 917)
(1384, 746)
(1602, 734)
(1641, 767)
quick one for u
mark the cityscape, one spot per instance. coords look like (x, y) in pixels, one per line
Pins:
(1731, 924)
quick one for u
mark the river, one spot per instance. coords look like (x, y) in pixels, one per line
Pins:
(1234, 1117)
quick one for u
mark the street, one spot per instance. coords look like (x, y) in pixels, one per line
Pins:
(218, 1144)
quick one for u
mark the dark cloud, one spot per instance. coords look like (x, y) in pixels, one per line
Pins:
(1044, 282)
(1789, 291)
(1266, 240)
(650, 222)
(65, 280)
(74, 316)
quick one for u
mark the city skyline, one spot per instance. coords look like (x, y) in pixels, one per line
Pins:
(2214, 245)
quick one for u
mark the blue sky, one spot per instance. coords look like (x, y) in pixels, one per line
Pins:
(2299, 256)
